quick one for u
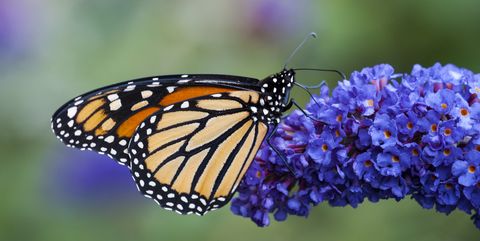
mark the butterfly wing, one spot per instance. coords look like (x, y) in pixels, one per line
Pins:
(104, 120)
(190, 156)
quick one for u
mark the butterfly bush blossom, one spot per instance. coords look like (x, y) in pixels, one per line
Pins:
(382, 135)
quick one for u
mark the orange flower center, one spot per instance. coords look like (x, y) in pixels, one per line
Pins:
(395, 159)
(463, 112)
(447, 131)
(258, 174)
(324, 147)
(415, 152)
(409, 125)
(368, 163)
(447, 152)
(369, 102)
(339, 118)
(387, 134)
(472, 169)
(477, 147)
(444, 106)
(433, 127)
(448, 186)
(337, 133)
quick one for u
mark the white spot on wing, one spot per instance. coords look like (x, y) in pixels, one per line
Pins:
(152, 119)
(109, 139)
(72, 111)
(129, 88)
(183, 81)
(184, 105)
(115, 105)
(168, 107)
(154, 84)
(170, 89)
(146, 94)
(112, 97)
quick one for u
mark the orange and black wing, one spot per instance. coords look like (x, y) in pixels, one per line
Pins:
(105, 119)
(190, 156)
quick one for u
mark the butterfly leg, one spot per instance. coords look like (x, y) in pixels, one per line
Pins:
(293, 102)
(284, 159)
(310, 94)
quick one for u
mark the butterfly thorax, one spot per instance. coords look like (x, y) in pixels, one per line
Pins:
(275, 96)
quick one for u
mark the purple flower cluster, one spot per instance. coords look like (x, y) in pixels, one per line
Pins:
(382, 135)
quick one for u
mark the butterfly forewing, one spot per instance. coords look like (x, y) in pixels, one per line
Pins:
(190, 156)
(104, 120)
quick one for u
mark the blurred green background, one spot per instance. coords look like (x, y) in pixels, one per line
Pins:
(53, 50)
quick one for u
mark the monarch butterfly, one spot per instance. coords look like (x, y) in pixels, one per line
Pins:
(187, 139)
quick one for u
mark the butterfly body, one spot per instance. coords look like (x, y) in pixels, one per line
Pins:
(188, 139)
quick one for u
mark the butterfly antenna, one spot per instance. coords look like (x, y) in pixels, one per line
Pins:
(309, 93)
(312, 34)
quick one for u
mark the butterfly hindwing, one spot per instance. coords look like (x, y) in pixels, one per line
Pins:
(190, 156)
(104, 120)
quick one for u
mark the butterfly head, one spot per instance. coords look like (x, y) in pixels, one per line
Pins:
(275, 91)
